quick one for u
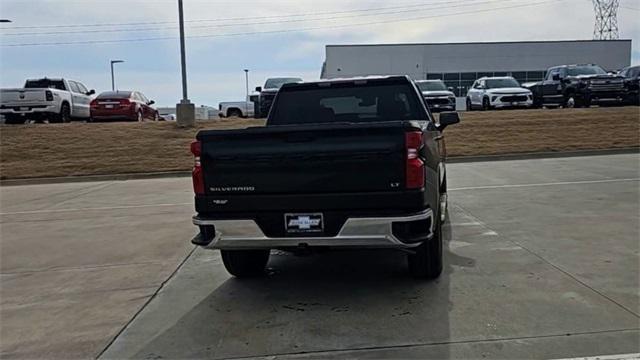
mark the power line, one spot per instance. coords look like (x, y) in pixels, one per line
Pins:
(230, 19)
(88, 42)
(452, 4)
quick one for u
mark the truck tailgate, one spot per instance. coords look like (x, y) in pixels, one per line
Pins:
(18, 96)
(310, 159)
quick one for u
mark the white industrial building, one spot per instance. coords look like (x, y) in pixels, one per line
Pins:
(459, 64)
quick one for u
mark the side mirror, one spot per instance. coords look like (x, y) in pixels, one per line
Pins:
(91, 92)
(556, 77)
(448, 118)
(258, 88)
(151, 102)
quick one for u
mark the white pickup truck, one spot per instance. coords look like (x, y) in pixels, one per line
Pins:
(235, 109)
(56, 100)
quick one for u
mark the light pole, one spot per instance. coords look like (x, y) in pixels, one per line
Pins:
(246, 98)
(113, 81)
(185, 110)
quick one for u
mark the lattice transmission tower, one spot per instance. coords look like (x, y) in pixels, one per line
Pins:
(606, 27)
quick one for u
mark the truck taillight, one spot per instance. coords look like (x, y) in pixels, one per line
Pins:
(48, 95)
(196, 173)
(124, 102)
(415, 165)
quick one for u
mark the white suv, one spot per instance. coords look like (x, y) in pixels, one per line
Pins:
(498, 92)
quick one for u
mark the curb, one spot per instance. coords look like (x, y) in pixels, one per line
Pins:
(543, 155)
(175, 174)
(86, 178)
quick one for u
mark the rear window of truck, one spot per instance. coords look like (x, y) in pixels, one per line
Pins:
(353, 103)
(45, 84)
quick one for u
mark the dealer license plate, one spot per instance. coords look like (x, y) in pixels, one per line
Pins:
(24, 108)
(303, 223)
(109, 106)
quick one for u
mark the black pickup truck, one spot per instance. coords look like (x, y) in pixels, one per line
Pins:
(266, 95)
(577, 86)
(343, 163)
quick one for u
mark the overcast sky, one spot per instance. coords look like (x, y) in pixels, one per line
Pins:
(272, 37)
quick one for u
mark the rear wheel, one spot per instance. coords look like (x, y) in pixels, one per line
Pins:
(139, 117)
(469, 105)
(65, 114)
(245, 263)
(234, 113)
(426, 262)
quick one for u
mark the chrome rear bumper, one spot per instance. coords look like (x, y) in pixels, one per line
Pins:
(374, 232)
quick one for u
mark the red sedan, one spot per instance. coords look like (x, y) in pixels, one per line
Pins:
(123, 105)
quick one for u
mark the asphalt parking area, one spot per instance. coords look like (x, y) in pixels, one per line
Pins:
(542, 260)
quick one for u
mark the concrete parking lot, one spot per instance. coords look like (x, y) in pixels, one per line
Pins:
(542, 260)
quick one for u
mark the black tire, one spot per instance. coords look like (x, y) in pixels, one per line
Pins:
(245, 263)
(14, 120)
(65, 114)
(156, 117)
(234, 113)
(426, 263)
(572, 101)
(486, 105)
(139, 116)
(469, 105)
(537, 103)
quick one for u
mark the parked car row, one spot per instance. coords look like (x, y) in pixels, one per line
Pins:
(563, 86)
(63, 100)
(580, 85)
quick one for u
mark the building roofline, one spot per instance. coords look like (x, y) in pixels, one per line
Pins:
(482, 42)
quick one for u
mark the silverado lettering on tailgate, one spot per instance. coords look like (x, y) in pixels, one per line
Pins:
(232, 188)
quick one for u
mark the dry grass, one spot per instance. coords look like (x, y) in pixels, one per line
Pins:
(115, 148)
(524, 131)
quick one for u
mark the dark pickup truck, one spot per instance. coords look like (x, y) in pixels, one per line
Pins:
(266, 95)
(345, 163)
(577, 86)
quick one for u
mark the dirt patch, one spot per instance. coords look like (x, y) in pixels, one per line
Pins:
(115, 148)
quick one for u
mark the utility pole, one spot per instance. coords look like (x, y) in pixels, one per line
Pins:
(246, 98)
(113, 81)
(606, 26)
(185, 110)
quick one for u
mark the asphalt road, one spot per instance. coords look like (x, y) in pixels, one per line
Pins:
(542, 260)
